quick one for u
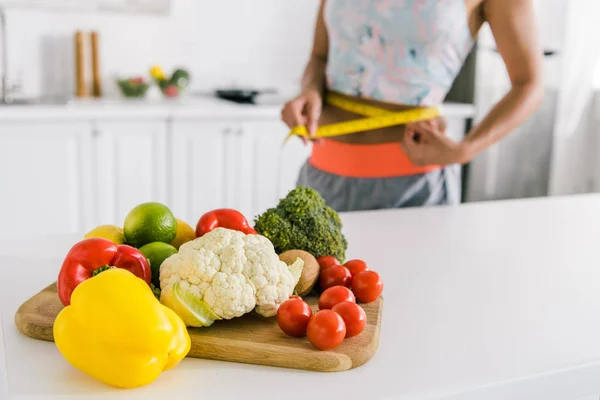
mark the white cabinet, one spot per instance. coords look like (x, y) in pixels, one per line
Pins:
(129, 166)
(70, 176)
(274, 166)
(230, 164)
(44, 177)
(203, 156)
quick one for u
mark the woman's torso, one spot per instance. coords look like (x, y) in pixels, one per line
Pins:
(395, 54)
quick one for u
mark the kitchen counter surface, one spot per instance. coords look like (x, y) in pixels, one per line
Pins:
(496, 300)
(186, 107)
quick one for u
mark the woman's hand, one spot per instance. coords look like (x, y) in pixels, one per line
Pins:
(304, 110)
(426, 144)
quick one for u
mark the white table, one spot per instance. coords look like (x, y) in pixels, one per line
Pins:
(482, 301)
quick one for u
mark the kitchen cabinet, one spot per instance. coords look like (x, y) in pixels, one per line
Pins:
(203, 157)
(70, 176)
(274, 167)
(129, 166)
(45, 177)
(230, 164)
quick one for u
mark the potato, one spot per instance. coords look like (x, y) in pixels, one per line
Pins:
(310, 272)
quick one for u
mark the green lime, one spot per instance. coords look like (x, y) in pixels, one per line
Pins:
(149, 222)
(156, 253)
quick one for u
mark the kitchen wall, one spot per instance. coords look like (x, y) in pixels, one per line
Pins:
(259, 42)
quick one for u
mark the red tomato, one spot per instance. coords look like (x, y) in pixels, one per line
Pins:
(356, 266)
(327, 261)
(353, 315)
(293, 317)
(334, 295)
(367, 286)
(338, 275)
(326, 330)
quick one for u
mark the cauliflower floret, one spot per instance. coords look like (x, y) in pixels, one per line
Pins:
(233, 273)
(272, 278)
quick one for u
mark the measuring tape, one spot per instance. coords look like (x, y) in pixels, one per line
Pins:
(376, 118)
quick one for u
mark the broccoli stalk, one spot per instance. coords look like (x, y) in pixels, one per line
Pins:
(302, 221)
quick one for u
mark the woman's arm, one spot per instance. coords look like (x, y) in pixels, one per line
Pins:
(314, 74)
(513, 26)
(306, 108)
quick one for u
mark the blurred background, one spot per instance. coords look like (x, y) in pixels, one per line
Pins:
(110, 103)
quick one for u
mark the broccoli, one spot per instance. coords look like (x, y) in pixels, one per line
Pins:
(302, 221)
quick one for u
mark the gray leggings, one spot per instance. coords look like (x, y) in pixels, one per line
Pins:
(439, 187)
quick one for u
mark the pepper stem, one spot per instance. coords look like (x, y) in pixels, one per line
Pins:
(102, 269)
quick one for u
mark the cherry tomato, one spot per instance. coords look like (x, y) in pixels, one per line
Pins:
(293, 317)
(353, 315)
(327, 261)
(356, 266)
(326, 330)
(338, 275)
(334, 295)
(367, 286)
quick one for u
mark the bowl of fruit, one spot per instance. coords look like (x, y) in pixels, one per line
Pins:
(173, 85)
(133, 87)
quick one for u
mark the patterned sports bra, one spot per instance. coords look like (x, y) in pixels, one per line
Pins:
(398, 51)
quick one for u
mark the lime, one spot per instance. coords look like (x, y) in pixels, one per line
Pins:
(156, 253)
(192, 310)
(185, 233)
(149, 222)
(110, 232)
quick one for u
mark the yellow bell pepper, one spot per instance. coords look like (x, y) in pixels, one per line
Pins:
(116, 331)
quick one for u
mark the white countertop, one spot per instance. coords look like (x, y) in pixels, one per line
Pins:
(185, 107)
(482, 301)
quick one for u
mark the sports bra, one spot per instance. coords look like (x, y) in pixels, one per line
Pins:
(397, 51)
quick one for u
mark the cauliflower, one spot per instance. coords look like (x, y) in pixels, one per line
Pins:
(229, 274)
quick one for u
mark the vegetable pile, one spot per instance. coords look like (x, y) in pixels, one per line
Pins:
(130, 292)
(339, 315)
(230, 274)
(302, 221)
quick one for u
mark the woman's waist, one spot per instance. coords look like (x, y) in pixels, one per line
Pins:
(331, 114)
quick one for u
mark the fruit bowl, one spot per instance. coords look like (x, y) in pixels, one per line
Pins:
(133, 87)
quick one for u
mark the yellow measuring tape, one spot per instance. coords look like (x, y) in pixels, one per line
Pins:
(376, 118)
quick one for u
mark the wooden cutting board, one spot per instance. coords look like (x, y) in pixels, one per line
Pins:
(249, 339)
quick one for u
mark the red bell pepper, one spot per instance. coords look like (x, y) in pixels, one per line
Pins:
(91, 256)
(223, 218)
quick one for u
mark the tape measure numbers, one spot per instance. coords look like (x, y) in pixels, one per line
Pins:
(375, 118)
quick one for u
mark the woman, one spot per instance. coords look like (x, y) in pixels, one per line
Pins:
(400, 55)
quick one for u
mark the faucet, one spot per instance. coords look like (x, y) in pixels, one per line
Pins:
(4, 57)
